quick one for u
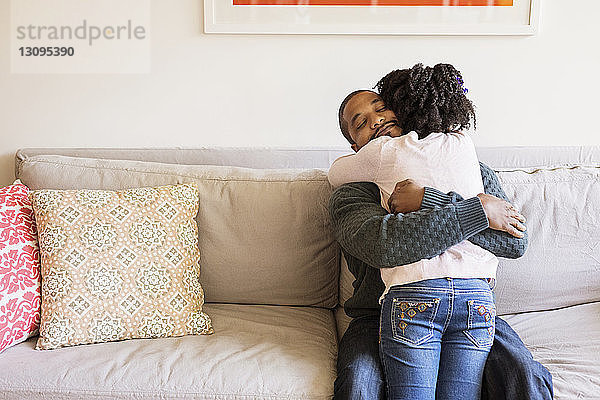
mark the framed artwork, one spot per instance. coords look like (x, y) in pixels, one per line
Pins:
(387, 17)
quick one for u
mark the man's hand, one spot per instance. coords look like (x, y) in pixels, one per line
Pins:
(406, 197)
(502, 216)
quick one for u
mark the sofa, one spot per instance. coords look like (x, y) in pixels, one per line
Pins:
(275, 280)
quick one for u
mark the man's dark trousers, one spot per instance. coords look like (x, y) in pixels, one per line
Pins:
(510, 372)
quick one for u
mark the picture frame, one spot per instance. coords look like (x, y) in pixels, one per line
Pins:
(379, 17)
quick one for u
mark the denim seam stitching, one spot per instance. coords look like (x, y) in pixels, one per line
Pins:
(382, 357)
(449, 313)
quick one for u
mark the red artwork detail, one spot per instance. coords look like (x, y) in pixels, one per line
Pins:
(19, 267)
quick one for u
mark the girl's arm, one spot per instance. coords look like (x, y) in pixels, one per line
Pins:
(359, 167)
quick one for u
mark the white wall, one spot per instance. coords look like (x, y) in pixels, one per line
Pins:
(230, 90)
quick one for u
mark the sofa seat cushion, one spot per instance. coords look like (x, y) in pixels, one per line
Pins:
(257, 352)
(566, 342)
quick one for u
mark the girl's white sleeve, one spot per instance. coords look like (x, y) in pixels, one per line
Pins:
(358, 167)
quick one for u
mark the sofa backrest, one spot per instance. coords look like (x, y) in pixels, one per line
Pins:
(556, 188)
(561, 266)
(264, 235)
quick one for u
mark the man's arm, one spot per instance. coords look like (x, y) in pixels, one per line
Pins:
(501, 243)
(365, 230)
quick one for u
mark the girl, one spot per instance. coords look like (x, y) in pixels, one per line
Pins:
(437, 315)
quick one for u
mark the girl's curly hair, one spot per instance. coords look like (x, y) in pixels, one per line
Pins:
(427, 99)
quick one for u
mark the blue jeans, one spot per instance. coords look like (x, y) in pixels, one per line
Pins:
(510, 372)
(435, 336)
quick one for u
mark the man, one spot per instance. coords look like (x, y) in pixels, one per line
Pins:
(429, 223)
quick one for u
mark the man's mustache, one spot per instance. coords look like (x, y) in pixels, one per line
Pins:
(385, 126)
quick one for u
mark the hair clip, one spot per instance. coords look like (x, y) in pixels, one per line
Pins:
(460, 81)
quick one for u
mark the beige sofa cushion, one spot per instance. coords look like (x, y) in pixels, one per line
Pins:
(118, 265)
(561, 265)
(565, 341)
(264, 235)
(257, 352)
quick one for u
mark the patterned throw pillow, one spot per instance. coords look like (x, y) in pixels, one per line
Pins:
(19, 267)
(119, 265)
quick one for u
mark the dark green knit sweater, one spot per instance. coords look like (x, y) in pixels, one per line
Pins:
(371, 238)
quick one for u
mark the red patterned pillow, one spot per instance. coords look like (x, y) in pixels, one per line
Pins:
(19, 267)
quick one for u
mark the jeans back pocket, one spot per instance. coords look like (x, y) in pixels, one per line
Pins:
(412, 319)
(481, 322)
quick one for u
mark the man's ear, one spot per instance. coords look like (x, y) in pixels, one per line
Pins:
(354, 147)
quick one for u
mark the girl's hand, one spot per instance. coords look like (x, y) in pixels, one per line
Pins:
(406, 197)
(502, 216)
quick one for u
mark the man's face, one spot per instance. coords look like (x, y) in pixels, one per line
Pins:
(368, 118)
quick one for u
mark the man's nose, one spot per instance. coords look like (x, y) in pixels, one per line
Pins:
(378, 121)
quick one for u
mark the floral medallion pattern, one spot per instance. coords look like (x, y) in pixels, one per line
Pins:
(191, 281)
(148, 234)
(153, 280)
(52, 239)
(46, 201)
(156, 325)
(141, 196)
(106, 329)
(93, 198)
(103, 281)
(119, 265)
(187, 235)
(56, 284)
(98, 236)
(58, 331)
(199, 323)
(186, 195)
